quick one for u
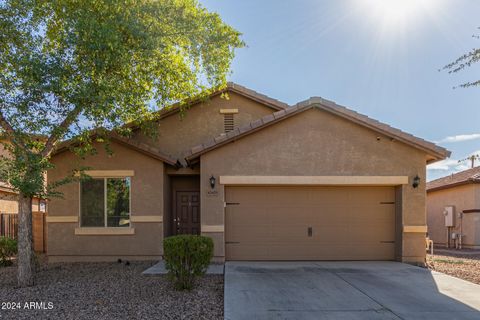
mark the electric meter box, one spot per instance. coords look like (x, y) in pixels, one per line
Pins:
(449, 213)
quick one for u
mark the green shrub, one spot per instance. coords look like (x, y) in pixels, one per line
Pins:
(8, 248)
(187, 257)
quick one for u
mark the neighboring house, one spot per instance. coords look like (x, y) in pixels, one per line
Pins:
(9, 213)
(453, 209)
(9, 197)
(314, 181)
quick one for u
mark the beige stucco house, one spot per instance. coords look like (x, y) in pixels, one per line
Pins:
(453, 209)
(267, 181)
(9, 197)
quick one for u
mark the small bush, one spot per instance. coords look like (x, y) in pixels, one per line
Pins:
(8, 248)
(187, 257)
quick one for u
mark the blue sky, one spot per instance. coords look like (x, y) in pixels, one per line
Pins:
(378, 57)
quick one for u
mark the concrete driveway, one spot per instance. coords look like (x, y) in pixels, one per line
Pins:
(345, 290)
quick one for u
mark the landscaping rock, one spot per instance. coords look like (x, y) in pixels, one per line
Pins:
(108, 291)
(465, 266)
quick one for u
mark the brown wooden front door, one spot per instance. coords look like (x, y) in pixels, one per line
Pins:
(187, 212)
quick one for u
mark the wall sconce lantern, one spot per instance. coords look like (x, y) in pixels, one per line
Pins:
(212, 182)
(416, 181)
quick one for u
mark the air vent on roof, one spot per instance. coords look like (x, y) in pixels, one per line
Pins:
(228, 122)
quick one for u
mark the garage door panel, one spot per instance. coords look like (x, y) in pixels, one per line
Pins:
(311, 252)
(288, 233)
(326, 196)
(244, 215)
(331, 213)
(371, 195)
(347, 223)
(241, 194)
(283, 196)
(379, 213)
(257, 232)
(287, 215)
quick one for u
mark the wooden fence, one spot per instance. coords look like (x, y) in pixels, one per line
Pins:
(9, 225)
(9, 228)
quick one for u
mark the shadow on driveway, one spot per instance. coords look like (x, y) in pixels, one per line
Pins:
(345, 290)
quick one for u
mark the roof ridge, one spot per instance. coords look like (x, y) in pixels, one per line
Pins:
(386, 127)
(245, 129)
(471, 175)
(327, 105)
(236, 86)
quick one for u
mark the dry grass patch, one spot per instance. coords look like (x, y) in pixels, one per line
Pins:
(458, 264)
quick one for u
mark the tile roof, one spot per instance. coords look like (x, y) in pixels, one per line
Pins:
(231, 87)
(464, 177)
(436, 151)
(131, 143)
(175, 108)
(252, 94)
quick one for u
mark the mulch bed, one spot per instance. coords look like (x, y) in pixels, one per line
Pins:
(461, 265)
(107, 291)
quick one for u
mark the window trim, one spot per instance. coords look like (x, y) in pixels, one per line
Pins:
(108, 173)
(104, 176)
(104, 231)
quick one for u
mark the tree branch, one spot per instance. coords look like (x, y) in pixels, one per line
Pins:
(5, 125)
(58, 133)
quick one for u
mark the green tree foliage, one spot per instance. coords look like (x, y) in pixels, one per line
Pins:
(70, 66)
(8, 248)
(187, 257)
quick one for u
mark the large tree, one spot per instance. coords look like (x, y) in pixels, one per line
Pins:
(68, 66)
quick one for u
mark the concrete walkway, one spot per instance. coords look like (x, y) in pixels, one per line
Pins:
(345, 290)
(159, 269)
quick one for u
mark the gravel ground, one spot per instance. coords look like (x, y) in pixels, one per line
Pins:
(109, 291)
(461, 265)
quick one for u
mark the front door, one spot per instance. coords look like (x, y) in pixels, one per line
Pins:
(187, 212)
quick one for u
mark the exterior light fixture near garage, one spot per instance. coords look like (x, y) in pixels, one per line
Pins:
(416, 181)
(212, 182)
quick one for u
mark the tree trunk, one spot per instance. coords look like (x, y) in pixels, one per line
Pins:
(25, 275)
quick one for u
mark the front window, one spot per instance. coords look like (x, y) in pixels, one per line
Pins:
(105, 202)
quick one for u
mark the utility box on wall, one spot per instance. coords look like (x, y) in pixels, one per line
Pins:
(449, 213)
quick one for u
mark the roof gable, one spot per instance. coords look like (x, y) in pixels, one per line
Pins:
(270, 105)
(130, 143)
(461, 178)
(436, 152)
(274, 104)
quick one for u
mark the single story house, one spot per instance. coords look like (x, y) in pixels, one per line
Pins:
(9, 197)
(9, 212)
(266, 181)
(9, 201)
(453, 209)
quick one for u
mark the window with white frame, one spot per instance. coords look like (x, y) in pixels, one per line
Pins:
(105, 202)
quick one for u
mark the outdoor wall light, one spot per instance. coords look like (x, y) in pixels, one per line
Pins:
(212, 182)
(416, 181)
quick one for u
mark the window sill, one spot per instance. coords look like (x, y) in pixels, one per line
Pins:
(104, 231)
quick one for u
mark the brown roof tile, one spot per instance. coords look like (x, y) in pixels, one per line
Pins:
(231, 87)
(464, 177)
(131, 143)
(274, 103)
(436, 151)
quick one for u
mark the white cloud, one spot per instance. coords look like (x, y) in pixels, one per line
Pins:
(449, 166)
(443, 165)
(460, 138)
